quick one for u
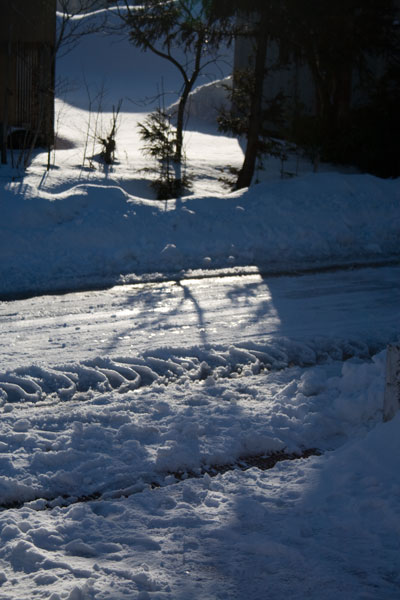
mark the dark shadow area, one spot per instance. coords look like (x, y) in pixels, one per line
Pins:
(358, 306)
(188, 296)
(61, 143)
(138, 187)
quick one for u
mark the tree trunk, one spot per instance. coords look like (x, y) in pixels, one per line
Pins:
(177, 160)
(4, 124)
(179, 124)
(188, 86)
(255, 119)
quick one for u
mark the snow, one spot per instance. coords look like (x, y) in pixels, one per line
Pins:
(330, 519)
(94, 232)
(128, 415)
(83, 224)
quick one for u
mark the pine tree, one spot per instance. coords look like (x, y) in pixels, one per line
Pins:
(159, 140)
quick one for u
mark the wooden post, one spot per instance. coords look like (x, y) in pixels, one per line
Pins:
(3, 144)
(391, 403)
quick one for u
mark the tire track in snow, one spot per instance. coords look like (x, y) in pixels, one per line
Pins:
(263, 462)
(39, 384)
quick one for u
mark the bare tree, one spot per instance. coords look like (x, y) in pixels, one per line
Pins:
(74, 21)
(185, 33)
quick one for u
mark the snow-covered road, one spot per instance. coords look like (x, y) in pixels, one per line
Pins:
(92, 505)
(126, 321)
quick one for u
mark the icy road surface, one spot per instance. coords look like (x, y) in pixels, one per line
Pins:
(126, 321)
(152, 381)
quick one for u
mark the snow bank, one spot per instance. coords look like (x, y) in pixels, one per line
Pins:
(93, 234)
(310, 528)
(206, 101)
(106, 64)
(95, 428)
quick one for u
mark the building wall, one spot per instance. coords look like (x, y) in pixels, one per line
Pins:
(27, 37)
(28, 20)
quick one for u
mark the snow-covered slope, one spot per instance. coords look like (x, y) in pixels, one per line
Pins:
(106, 62)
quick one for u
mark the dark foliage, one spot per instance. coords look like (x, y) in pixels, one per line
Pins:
(340, 42)
(159, 139)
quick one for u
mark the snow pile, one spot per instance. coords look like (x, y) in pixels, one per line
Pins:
(95, 233)
(206, 101)
(106, 66)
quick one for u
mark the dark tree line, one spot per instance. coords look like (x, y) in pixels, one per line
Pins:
(340, 43)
